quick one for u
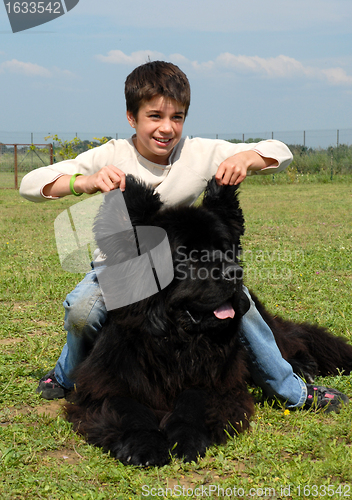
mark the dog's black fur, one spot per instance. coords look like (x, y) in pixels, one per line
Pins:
(166, 374)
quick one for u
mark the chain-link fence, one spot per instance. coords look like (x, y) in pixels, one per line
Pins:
(310, 139)
(327, 152)
(315, 139)
(18, 159)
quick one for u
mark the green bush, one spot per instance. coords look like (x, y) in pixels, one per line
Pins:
(335, 160)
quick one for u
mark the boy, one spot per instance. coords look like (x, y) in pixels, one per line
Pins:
(157, 99)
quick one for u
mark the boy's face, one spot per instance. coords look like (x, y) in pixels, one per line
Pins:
(158, 128)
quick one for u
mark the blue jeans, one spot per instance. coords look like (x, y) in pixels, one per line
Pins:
(269, 370)
(85, 313)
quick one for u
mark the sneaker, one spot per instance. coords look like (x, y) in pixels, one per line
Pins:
(324, 398)
(49, 387)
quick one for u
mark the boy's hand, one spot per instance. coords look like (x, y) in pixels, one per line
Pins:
(233, 170)
(105, 180)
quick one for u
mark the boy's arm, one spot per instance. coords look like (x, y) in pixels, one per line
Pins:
(105, 180)
(99, 167)
(234, 169)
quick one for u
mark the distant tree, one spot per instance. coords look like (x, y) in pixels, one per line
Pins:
(67, 150)
(247, 141)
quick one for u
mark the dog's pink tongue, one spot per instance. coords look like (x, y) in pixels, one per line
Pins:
(225, 311)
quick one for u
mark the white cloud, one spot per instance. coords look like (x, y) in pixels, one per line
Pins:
(57, 72)
(25, 68)
(282, 67)
(136, 58)
(337, 76)
(272, 67)
(33, 70)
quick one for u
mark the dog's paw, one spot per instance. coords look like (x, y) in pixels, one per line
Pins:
(142, 447)
(188, 443)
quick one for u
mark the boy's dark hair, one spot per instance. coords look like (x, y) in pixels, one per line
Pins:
(156, 78)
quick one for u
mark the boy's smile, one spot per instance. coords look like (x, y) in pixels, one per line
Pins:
(158, 128)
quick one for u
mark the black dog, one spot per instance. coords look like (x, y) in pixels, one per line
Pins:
(168, 373)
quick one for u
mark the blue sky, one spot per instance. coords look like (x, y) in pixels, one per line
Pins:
(253, 66)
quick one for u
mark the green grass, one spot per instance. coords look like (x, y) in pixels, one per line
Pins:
(297, 246)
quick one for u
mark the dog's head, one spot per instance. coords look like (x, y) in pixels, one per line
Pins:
(206, 292)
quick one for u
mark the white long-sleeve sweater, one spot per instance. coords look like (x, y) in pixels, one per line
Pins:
(192, 163)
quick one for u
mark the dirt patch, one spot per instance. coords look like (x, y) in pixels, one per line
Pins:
(207, 476)
(10, 341)
(16, 340)
(184, 482)
(65, 455)
(51, 408)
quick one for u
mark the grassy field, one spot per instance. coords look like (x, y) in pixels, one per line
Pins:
(297, 258)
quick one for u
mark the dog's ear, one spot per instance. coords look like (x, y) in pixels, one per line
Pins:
(119, 212)
(141, 200)
(223, 201)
